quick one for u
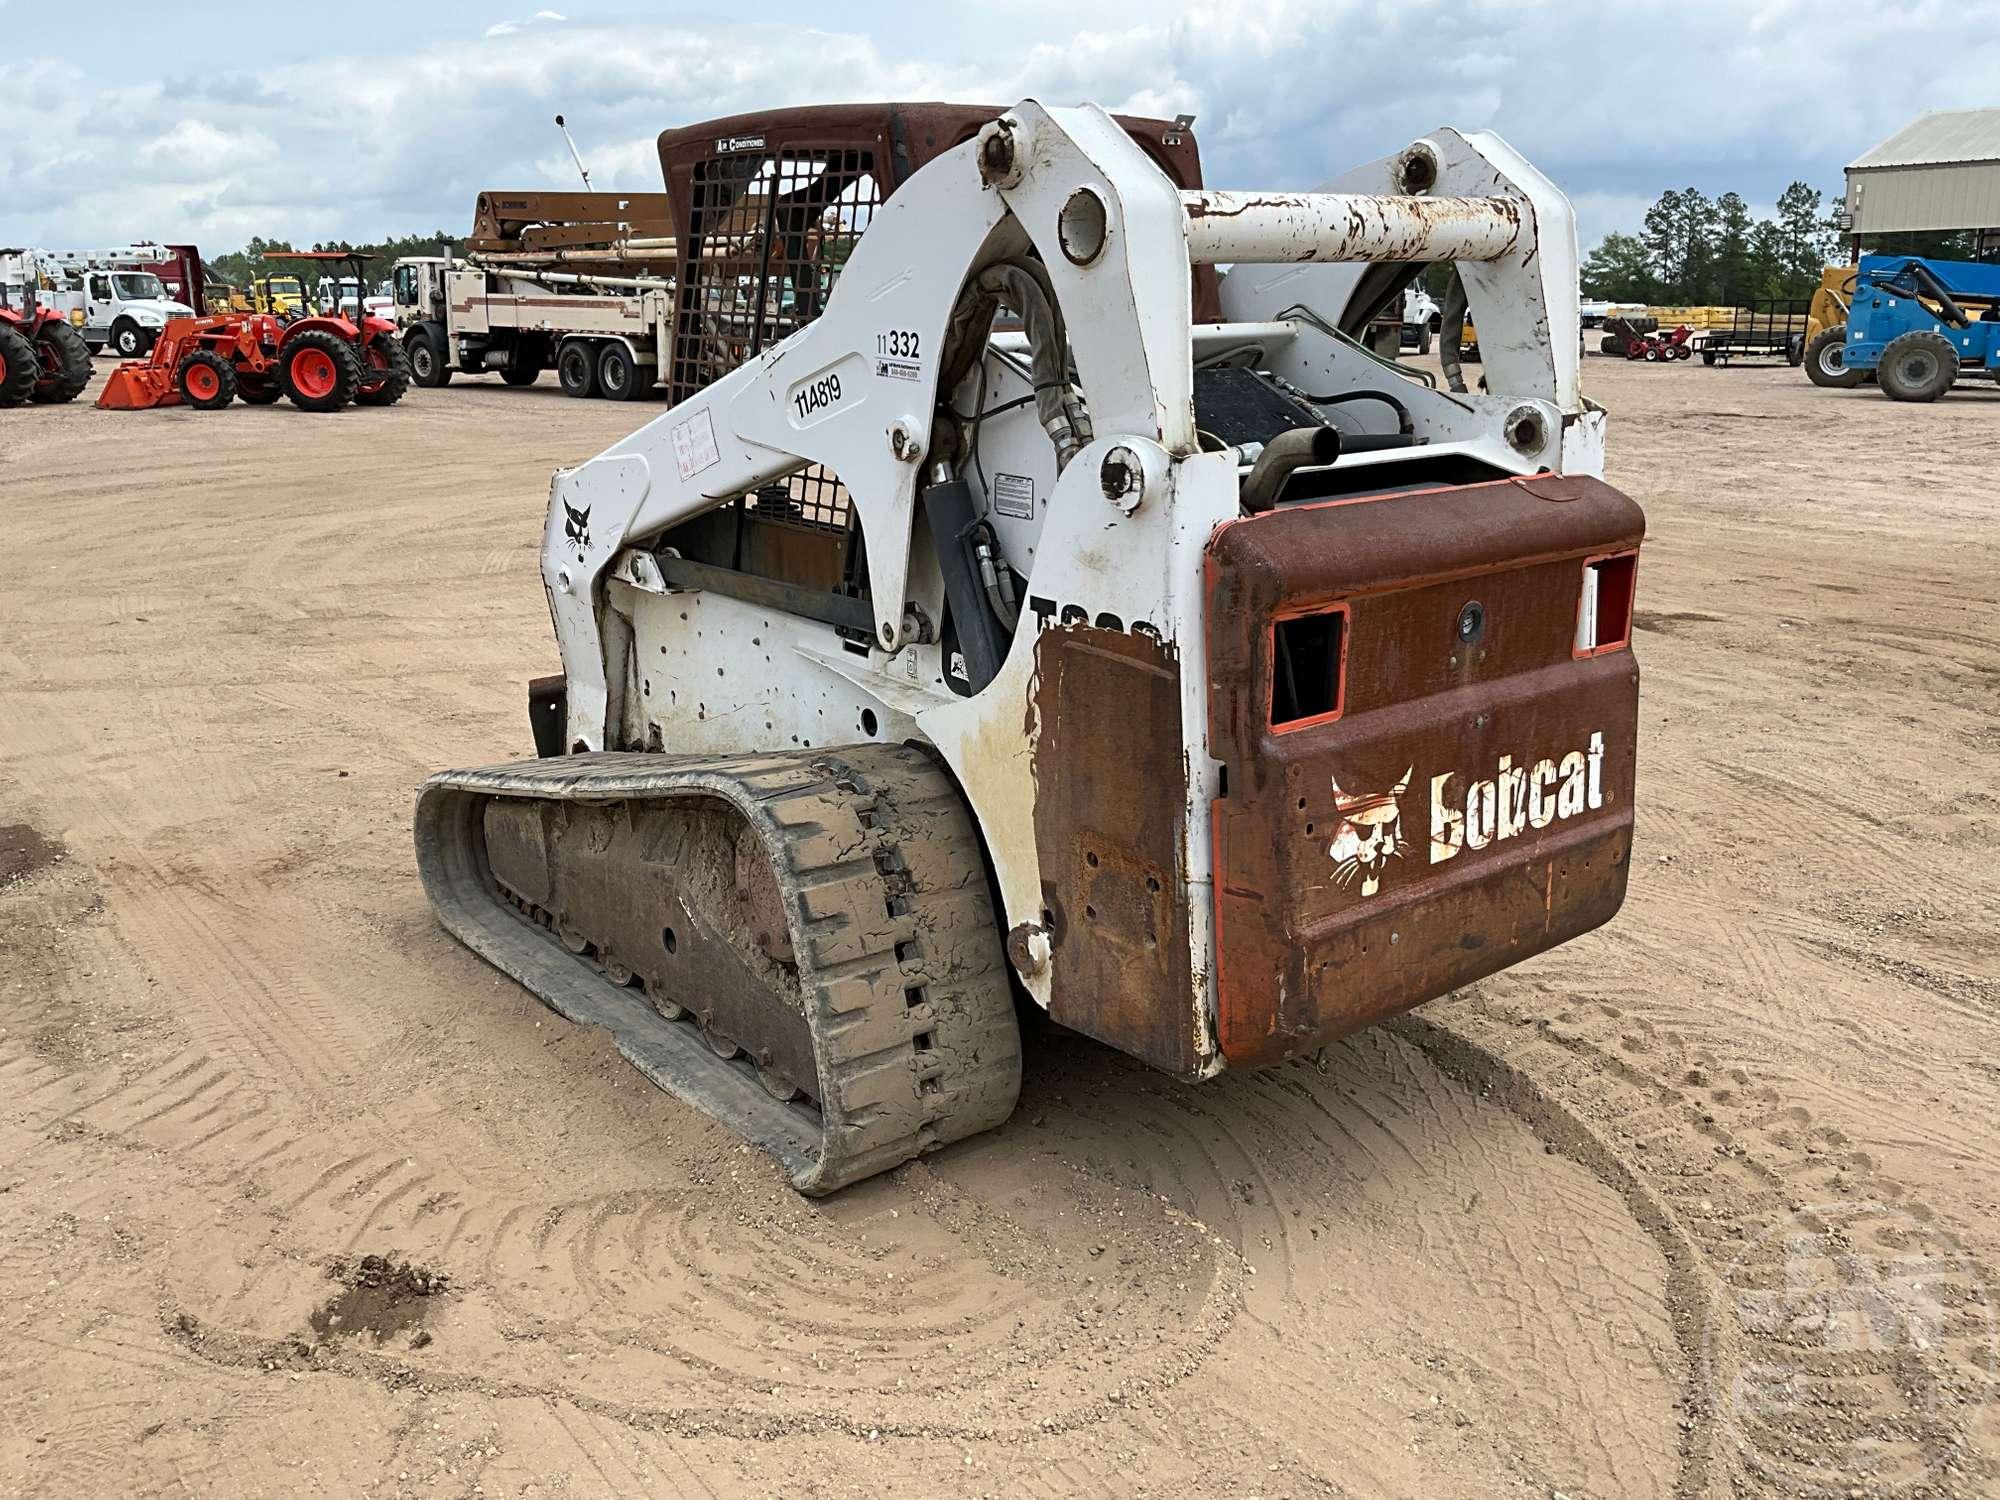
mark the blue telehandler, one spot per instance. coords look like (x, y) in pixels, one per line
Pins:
(1917, 324)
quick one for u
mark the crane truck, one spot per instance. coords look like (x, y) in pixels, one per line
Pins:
(581, 282)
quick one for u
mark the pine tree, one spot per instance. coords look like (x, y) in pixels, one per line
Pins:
(1731, 279)
(1805, 242)
(1680, 236)
(1618, 270)
(1764, 267)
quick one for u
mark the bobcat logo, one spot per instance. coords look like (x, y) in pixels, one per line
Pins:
(577, 528)
(1369, 836)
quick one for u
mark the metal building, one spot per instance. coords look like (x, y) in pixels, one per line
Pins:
(1939, 172)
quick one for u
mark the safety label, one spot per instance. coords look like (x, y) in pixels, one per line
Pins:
(1014, 495)
(694, 444)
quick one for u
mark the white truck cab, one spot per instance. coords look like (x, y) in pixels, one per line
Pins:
(348, 296)
(125, 309)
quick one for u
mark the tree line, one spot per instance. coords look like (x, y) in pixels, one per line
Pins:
(1700, 251)
(262, 257)
(1693, 250)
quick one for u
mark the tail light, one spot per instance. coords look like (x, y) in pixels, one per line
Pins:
(1604, 608)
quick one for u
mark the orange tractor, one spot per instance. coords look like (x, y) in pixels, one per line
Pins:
(42, 358)
(321, 362)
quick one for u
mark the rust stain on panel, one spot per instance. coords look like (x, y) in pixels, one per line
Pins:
(1469, 803)
(1110, 805)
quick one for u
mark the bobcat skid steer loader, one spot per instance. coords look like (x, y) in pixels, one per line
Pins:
(981, 620)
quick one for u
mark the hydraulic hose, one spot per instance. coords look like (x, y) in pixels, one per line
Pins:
(1451, 332)
(1024, 287)
(1405, 423)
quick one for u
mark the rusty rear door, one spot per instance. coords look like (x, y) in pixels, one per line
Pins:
(1427, 705)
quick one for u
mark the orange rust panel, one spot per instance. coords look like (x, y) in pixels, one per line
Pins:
(1470, 805)
(1110, 816)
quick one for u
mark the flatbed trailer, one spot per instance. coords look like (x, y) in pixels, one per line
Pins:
(1768, 329)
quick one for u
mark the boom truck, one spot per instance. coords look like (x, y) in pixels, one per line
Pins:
(1008, 610)
(582, 282)
(123, 296)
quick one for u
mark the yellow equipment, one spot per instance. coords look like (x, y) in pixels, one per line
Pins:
(1830, 301)
(280, 296)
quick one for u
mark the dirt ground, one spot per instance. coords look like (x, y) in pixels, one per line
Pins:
(297, 1195)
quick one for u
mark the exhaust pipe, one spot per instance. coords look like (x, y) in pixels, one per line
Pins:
(1285, 454)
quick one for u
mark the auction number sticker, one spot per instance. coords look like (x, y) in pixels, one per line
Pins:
(899, 354)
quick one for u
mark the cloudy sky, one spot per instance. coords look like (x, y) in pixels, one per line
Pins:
(119, 121)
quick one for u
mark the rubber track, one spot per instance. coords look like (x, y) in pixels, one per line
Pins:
(900, 959)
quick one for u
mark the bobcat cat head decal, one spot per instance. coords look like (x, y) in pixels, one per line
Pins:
(1369, 836)
(576, 526)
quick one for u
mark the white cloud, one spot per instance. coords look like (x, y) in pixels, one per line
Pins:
(508, 28)
(1614, 103)
(200, 149)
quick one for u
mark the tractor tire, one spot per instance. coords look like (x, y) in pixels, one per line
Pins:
(1795, 350)
(65, 361)
(319, 370)
(385, 373)
(525, 375)
(129, 340)
(1826, 360)
(619, 376)
(576, 369)
(206, 380)
(19, 368)
(428, 366)
(1917, 366)
(258, 390)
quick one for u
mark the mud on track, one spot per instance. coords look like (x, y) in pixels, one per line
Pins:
(1701, 1204)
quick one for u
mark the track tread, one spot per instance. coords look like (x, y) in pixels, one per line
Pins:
(874, 853)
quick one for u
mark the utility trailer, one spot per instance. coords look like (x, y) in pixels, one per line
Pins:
(1768, 329)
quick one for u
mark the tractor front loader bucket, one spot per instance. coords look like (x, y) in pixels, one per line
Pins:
(137, 385)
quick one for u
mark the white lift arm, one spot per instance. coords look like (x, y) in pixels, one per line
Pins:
(856, 390)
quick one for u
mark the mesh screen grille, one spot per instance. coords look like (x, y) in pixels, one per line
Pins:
(769, 232)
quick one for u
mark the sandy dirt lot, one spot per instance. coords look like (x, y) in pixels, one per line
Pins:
(296, 1195)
